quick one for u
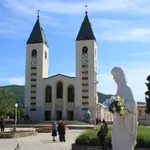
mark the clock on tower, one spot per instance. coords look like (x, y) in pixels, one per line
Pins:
(33, 62)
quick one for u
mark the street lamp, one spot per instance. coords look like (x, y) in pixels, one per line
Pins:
(16, 106)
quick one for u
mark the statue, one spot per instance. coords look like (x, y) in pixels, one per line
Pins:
(124, 128)
(87, 116)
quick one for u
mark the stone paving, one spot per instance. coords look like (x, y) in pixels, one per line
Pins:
(42, 141)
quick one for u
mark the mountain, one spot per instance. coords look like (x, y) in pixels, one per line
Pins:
(17, 90)
(19, 93)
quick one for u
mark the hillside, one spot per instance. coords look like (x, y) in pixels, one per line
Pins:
(19, 92)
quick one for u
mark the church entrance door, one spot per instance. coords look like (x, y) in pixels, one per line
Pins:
(70, 115)
(47, 115)
(59, 115)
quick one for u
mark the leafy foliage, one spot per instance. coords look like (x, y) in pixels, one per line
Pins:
(89, 137)
(7, 102)
(147, 94)
(18, 91)
(102, 97)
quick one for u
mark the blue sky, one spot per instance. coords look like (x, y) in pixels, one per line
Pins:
(121, 27)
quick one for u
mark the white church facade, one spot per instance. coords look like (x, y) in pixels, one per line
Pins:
(61, 97)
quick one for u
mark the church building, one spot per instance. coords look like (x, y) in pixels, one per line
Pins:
(61, 97)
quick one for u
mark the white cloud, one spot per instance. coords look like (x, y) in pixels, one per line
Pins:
(12, 80)
(72, 74)
(136, 73)
(115, 30)
(121, 30)
(126, 34)
(105, 29)
(57, 6)
(106, 23)
(17, 81)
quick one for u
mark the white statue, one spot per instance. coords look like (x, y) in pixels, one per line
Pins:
(124, 128)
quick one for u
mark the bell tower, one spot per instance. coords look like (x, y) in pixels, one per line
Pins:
(86, 70)
(36, 70)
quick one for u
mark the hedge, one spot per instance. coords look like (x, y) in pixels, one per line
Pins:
(89, 137)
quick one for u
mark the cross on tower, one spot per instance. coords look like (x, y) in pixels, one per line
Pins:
(86, 8)
(38, 13)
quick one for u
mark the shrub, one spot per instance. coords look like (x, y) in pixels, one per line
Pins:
(89, 137)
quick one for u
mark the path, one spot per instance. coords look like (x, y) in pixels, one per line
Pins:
(42, 141)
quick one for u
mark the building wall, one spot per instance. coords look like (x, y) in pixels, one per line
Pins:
(103, 113)
(40, 72)
(141, 107)
(59, 104)
(92, 78)
(141, 113)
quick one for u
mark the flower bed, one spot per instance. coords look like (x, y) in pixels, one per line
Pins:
(17, 134)
(89, 138)
(44, 129)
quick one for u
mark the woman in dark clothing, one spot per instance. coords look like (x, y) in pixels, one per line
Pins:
(102, 134)
(54, 130)
(2, 124)
(61, 131)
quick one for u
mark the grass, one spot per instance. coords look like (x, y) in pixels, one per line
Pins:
(89, 137)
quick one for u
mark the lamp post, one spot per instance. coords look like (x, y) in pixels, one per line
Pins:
(16, 106)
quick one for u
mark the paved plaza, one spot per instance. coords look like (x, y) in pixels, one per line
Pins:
(42, 141)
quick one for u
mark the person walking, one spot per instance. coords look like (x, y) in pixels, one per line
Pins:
(61, 131)
(2, 124)
(54, 131)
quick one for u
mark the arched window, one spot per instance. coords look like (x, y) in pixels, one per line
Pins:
(59, 90)
(48, 94)
(84, 50)
(70, 93)
(34, 53)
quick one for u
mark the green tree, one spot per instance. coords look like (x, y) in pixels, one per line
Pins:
(7, 102)
(147, 95)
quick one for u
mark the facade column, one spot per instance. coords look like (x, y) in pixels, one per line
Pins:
(53, 109)
(64, 113)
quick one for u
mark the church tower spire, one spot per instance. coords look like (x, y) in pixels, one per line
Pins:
(37, 53)
(86, 70)
(37, 35)
(85, 32)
